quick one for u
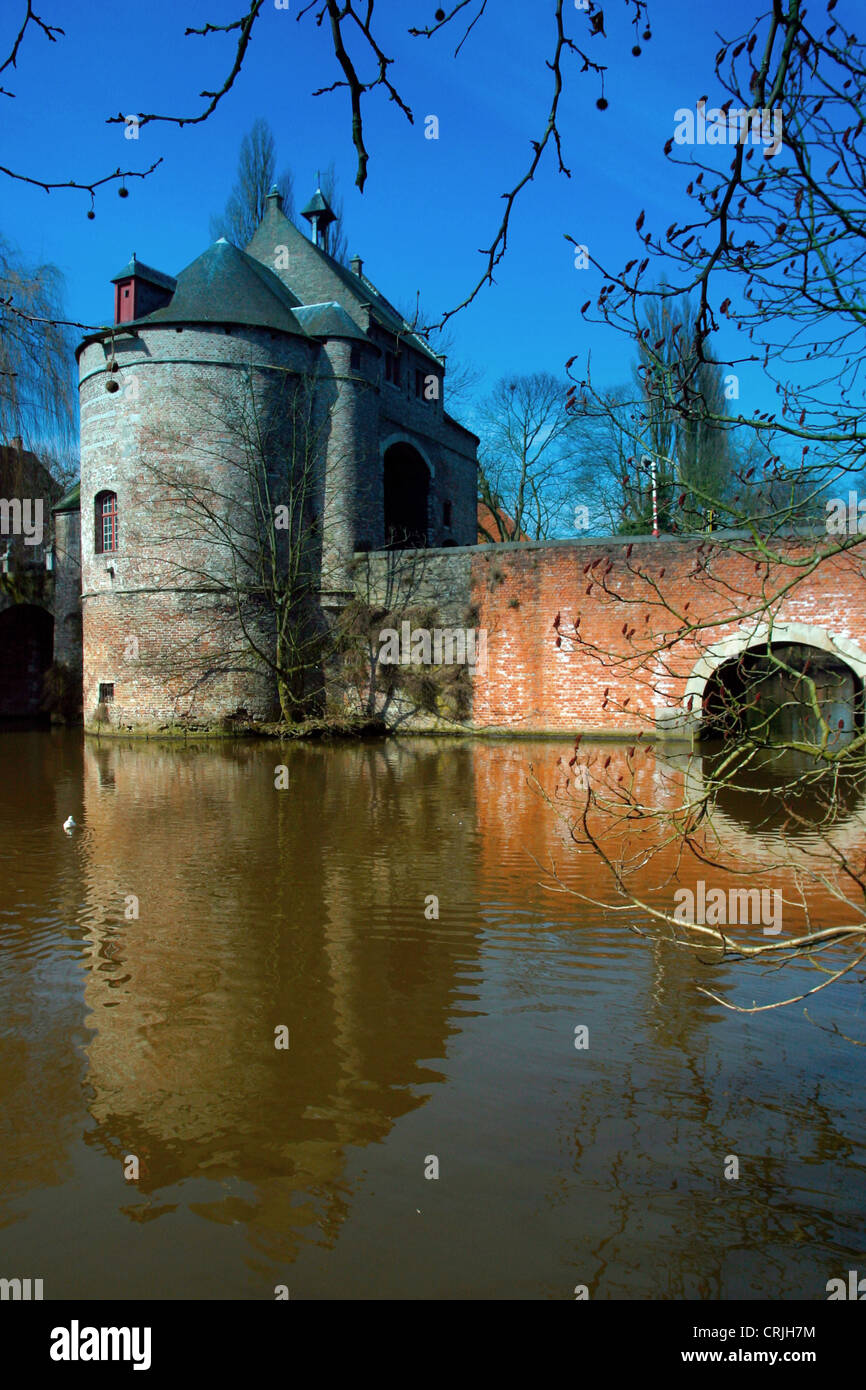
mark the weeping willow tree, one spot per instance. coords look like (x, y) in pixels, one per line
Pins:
(38, 387)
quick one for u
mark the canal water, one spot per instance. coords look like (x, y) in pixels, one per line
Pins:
(151, 960)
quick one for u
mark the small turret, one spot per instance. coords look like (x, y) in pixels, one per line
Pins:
(320, 215)
(139, 289)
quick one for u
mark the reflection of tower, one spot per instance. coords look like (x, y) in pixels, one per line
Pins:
(41, 1001)
(246, 921)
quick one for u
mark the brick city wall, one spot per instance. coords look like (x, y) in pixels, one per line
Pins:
(651, 619)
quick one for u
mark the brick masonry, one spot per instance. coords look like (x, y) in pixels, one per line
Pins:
(67, 590)
(611, 675)
(152, 627)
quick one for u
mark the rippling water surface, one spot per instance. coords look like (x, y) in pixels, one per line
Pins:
(411, 1038)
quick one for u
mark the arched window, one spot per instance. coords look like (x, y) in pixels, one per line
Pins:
(106, 522)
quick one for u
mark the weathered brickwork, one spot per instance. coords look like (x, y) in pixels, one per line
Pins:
(170, 660)
(153, 627)
(607, 676)
(67, 590)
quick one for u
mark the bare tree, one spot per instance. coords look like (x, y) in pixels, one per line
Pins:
(356, 36)
(238, 523)
(246, 205)
(338, 241)
(462, 377)
(391, 594)
(529, 445)
(662, 450)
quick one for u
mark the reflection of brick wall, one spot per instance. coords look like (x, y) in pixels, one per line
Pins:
(247, 920)
(627, 598)
(527, 797)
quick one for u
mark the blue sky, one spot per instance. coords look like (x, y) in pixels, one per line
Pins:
(428, 205)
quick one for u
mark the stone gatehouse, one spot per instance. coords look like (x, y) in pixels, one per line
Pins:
(281, 353)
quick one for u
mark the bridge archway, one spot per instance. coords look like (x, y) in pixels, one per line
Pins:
(26, 649)
(842, 667)
(406, 494)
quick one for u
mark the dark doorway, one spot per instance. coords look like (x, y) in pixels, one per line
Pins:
(407, 484)
(26, 642)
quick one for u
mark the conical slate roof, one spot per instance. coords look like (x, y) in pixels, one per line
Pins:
(328, 321)
(225, 285)
(320, 278)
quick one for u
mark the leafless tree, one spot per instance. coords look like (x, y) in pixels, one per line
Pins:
(238, 523)
(529, 446)
(338, 240)
(256, 175)
(358, 36)
(462, 377)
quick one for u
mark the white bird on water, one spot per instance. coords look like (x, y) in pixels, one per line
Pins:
(69, 825)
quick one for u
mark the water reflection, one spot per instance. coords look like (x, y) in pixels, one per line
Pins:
(261, 908)
(145, 964)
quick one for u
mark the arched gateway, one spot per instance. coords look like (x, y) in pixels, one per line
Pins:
(731, 670)
(407, 489)
(26, 640)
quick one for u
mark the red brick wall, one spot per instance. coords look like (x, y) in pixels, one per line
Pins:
(533, 683)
